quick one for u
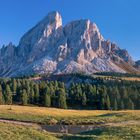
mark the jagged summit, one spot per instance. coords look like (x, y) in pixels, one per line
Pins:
(50, 47)
(55, 17)
(52, 21)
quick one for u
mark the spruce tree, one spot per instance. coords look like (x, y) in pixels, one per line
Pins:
(62, 99)
(8, 95)
(107, 102)
(28, 88)
(122, 105)
(47, 102)
(24, 97)
(84, 99)
(115, 107)
(117, 94)
(1, 96)
(14, 86)
(130, 104)
(102, 103)
(32, 96)
(125, 97)
(36, 91)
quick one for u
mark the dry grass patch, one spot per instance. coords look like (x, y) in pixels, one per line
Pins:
(52, 115)
(18, 132)
(54, 112)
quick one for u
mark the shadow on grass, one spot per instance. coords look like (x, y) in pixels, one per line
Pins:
(77, 137)
(111, 115)
(95, 132)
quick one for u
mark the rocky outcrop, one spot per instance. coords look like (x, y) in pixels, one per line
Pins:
(51, 48)
(137, 64)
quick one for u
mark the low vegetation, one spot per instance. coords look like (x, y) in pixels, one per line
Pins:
(108, 133)
(44, 115)
(18, 132)
(115, 74)
(118, 76)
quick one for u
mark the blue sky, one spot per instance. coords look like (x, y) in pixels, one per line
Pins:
(118, 20)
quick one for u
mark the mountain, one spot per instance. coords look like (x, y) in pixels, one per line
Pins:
(50, 47)
(137, 64)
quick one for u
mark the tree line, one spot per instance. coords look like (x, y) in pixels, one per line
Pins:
(102, 95)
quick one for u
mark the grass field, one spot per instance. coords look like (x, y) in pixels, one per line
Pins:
(19, 132)
(119, 78)
(131, 78)
(42, 115)
(108, 133)
(52, 115)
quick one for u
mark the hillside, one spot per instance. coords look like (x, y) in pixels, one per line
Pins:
(33, 123)
(76, 91)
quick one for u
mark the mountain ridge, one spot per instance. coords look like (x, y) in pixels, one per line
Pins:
(50, 47)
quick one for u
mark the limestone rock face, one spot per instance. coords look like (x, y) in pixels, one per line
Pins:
(137, 64)
(51, 48)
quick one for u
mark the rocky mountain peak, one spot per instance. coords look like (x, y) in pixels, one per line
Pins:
(50, 47)
(50, 23)
(54, 18)
(84, 26)
(42, 31)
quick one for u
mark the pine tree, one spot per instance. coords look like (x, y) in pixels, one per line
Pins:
(122, 105)
(117, 94)
(51, 89)
(115, 107)
(102, 103)
(125, 97)
(47, 101)
(36, 91)
(130, 104)
(78, 93)
(62, 99)
(14, 86)
(107, 102)
(8, 95)
(1, 96)
(24, 97)
(28, 87)
(32, 96)
(92, 95)
(84, 99)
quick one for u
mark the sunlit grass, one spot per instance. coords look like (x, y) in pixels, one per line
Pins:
(52, 115)
(18, 132)
(58, 112)
(108, 133)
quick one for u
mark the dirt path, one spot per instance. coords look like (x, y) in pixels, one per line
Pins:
(124, 123)
(18, 122)
(72, 129)
(75, 129)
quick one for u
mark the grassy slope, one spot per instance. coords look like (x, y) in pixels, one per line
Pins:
(43, 115)
(52, 115)
(119, 78)
(17, 132)
(108, 133)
